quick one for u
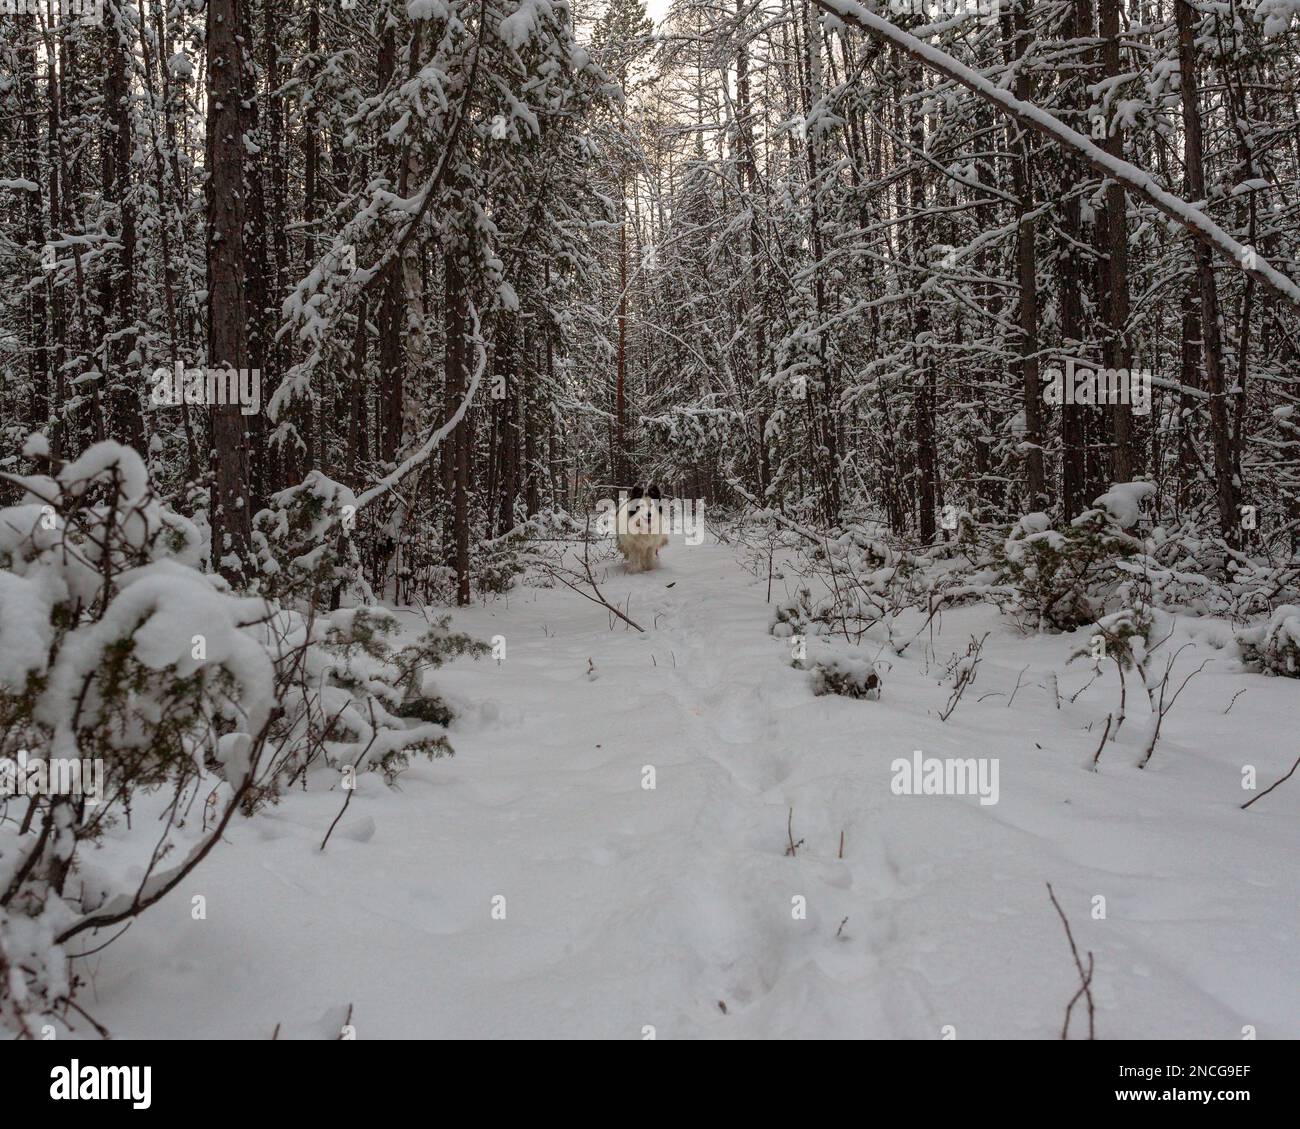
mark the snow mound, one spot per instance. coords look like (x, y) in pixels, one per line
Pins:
(1274, 646)
(847, 676)
(1123, 502)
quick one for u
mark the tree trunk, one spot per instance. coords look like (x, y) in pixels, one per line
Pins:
(227, 321)
(459, 444)
(1118, 351)
(620, 468)
(1026, 271)
(117, 295)
(1193, 155)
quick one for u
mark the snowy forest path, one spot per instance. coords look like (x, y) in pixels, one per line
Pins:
(536, 885)
(708, 699)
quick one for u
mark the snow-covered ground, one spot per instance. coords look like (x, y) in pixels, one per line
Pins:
(675, 908)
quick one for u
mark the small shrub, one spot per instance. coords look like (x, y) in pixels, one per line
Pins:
(191, 701)
(1063, 578)
(1274, 647)
(846, 676)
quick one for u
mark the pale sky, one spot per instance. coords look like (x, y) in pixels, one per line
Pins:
(656, 9)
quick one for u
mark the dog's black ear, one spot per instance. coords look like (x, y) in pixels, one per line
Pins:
(638, 491)
(652, 492)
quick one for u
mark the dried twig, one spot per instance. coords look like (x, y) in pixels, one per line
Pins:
(558, 573)
(965, 674)
(1017, 689)
(1085, 976)
(1159, 706)
(374, 725)
(793, 848)
(100, 1030)
(1097, 755)
(1270, 788)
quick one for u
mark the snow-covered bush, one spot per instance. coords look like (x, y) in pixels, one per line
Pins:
(847, 676)
(500, 561)
(1064, 578)
(557, 523)
(1274, 647)
(1130, 637)
(162, 687)
(857, 548)
(804, 614)
(1204, 576)
(303, 540)
(1124, 636)
(964, 536)
(865, 580)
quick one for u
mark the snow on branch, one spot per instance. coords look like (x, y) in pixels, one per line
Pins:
(1034, 117)
(434, 441)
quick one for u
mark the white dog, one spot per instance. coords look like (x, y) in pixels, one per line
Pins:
(640, 525)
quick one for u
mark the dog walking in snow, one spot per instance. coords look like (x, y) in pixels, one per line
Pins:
(640, 524)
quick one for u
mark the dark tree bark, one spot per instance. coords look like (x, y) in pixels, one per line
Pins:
(1072, 274)
(227, 317)
(38, 358)
(620, 468)
(275, 474)
(392, 363)
(1118, 351)
(1220, 426)
(458, 446)
(1017, 22)
(261, 313)
(117, 277)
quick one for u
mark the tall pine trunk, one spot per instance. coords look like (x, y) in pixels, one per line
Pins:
(227, 318)
(1212, 353)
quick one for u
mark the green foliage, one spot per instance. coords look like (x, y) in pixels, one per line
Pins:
(1062, 578)
(500, 562)
(302, 540)
(1274, 647)
(193, 703)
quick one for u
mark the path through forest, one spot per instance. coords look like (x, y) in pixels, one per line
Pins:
(675, 907)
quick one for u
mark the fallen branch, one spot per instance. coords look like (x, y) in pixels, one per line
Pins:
(558, 573)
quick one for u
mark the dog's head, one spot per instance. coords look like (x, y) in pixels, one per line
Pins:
(644, 513)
